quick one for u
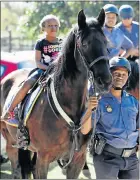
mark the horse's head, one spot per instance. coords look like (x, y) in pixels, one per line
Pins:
(92, 47)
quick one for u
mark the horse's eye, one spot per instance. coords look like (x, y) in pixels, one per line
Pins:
(84, 44)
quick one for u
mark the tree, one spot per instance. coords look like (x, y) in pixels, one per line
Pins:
(27, 20)
(10, 15)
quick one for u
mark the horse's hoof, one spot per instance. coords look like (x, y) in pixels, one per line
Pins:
(64, 171)
(17, 174)
(3, 160)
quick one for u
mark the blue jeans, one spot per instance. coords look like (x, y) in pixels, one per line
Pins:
(36, 74)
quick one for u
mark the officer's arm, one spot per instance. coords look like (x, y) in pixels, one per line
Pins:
(38, 48)
(86, 119)
(137, 126)
(128, 46)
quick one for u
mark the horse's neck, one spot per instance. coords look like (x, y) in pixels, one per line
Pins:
(72, 90)
(72, 97)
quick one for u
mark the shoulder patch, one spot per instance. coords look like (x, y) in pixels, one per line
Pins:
(135, 22)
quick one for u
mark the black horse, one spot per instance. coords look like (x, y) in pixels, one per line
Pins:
(52, 134)
(133, 81)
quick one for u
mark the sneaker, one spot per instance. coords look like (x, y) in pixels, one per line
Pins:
(8, 115)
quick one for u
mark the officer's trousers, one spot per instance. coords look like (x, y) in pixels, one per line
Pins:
(110, 166)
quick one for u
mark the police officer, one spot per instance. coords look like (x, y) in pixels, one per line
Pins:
(115, 36)
(130, 28)
(116, 116)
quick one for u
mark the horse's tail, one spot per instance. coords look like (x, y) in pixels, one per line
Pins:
(25, 163)
(6, 86)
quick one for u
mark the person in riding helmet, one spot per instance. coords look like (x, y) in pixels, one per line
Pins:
(46, 51)
(116, 38)
(116, 117)
(130, 28)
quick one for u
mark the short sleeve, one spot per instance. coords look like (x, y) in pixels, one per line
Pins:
(127, 43)
(38, 46)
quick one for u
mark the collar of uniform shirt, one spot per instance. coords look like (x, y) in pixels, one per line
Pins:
(124, 94)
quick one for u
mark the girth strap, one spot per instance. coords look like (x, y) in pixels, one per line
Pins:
(59, 108)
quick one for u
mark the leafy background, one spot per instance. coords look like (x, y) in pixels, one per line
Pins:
(24, 17)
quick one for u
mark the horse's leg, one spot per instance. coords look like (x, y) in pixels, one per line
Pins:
(42, 165)
(13, 157)
(24, 156)
(75, 167)
(34, 165)
(25, 163)
(20, 159)
(85, 166)
(12, 153)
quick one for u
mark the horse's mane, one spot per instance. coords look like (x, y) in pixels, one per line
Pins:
(134, 77)
(66, 62)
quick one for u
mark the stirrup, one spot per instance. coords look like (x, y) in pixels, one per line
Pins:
(23, 139)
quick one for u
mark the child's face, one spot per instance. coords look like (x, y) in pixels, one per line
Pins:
(51, 27)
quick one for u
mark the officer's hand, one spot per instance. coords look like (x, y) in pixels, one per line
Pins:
(134, 52)
(92, 102)
(122, 51)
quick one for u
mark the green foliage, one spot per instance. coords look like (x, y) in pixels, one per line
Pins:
(66, 11)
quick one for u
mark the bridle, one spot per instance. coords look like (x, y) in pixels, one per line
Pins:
(87, 64)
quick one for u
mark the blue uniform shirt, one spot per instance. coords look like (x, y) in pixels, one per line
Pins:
(116, 41)
(117, 121)
(133, 35)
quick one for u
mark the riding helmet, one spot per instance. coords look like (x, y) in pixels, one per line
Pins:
(126, 12)
(120, 62)
(111, 8)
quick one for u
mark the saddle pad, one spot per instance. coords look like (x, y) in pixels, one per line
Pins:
(30, 103)
(28, 108)
(12, 122)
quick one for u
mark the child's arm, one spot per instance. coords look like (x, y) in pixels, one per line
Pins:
(39, 64)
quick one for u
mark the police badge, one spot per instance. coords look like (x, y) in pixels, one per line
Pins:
(108, 108)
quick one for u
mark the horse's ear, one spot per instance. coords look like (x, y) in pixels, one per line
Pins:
(101, 17)
(81, 19)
